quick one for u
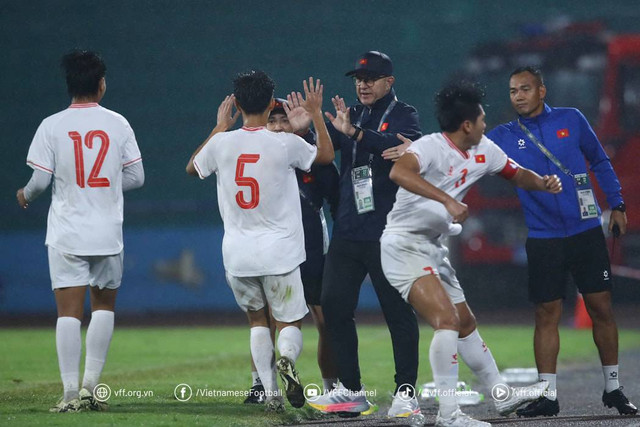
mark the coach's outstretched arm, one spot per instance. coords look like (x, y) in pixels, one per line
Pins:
(313, 104)
(225, 120)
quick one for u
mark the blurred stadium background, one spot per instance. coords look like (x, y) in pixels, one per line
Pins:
(170, 63)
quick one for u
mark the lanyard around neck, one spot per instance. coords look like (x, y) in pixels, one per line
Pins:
(359, 122)
(544, 149)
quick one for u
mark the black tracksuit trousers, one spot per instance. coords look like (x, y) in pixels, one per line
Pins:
(346, 266)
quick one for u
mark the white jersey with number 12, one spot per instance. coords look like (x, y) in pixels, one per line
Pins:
(85, 147)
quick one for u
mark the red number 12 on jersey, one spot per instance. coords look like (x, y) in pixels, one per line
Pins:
(93, 180)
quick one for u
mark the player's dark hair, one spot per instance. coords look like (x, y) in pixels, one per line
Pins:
(537, 73)
(83, 70)
(253, 91)
(457, 102)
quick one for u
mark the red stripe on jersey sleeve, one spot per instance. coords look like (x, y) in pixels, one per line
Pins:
(39, 167)
(509, 170)
(130, 162)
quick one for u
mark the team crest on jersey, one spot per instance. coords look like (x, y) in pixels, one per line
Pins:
(480, 158)
(562, 133)
(450, 171)
(307, 178)
(384, 126)
(521, 144)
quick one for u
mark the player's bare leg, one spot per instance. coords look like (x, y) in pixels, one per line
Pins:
(70, 301)
(430, 300)
(432, 303)
(70, 304)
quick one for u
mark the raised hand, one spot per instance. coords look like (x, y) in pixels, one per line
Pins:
(394, 153)
(313, 96)
(225, 117)
(299, 118)
(341, 122)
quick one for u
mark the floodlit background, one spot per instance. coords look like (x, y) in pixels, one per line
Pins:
(170, 63)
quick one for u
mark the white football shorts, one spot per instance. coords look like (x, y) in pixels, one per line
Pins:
(284, 294)
(406, 257)
(68, 270)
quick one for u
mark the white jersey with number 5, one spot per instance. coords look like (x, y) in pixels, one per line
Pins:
(85, 147)
(453, 171)
(258, 198)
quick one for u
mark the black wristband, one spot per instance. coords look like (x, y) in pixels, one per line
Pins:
(621, 207)
(357, 133)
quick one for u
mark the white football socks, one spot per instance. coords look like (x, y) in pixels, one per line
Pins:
(69, 348)
(290, 342)
(479, 359)
(610, 373)
(443, 354)
(97, 343)
(255, 378)
(263, 358)
(552, 393)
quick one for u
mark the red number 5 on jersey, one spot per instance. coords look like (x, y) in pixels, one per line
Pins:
(245, 181)
(93, 180)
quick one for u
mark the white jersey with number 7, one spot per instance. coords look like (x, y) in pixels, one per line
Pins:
(258, 198)
(85, 147)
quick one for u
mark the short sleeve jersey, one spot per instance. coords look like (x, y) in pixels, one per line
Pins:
(85, 148)
(258, 198)
(453, 171)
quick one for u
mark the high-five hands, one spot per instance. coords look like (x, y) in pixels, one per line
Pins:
(299, 109)
(225, 117)
(341, 121)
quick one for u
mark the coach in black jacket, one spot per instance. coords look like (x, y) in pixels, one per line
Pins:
(362, 133)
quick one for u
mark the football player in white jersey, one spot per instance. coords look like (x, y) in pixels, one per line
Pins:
(92, 155)
(263, 242)
(434, 175)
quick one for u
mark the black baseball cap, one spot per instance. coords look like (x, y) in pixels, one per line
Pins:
(374, 64)
(278, 107)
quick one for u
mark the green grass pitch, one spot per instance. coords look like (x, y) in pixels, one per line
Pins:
(152, 361)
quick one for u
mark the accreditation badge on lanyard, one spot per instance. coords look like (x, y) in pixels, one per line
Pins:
(362, 179)
(362, 176)
(586, 200)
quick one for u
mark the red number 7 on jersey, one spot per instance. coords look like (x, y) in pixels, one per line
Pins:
(245, 181)
(93, 180)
